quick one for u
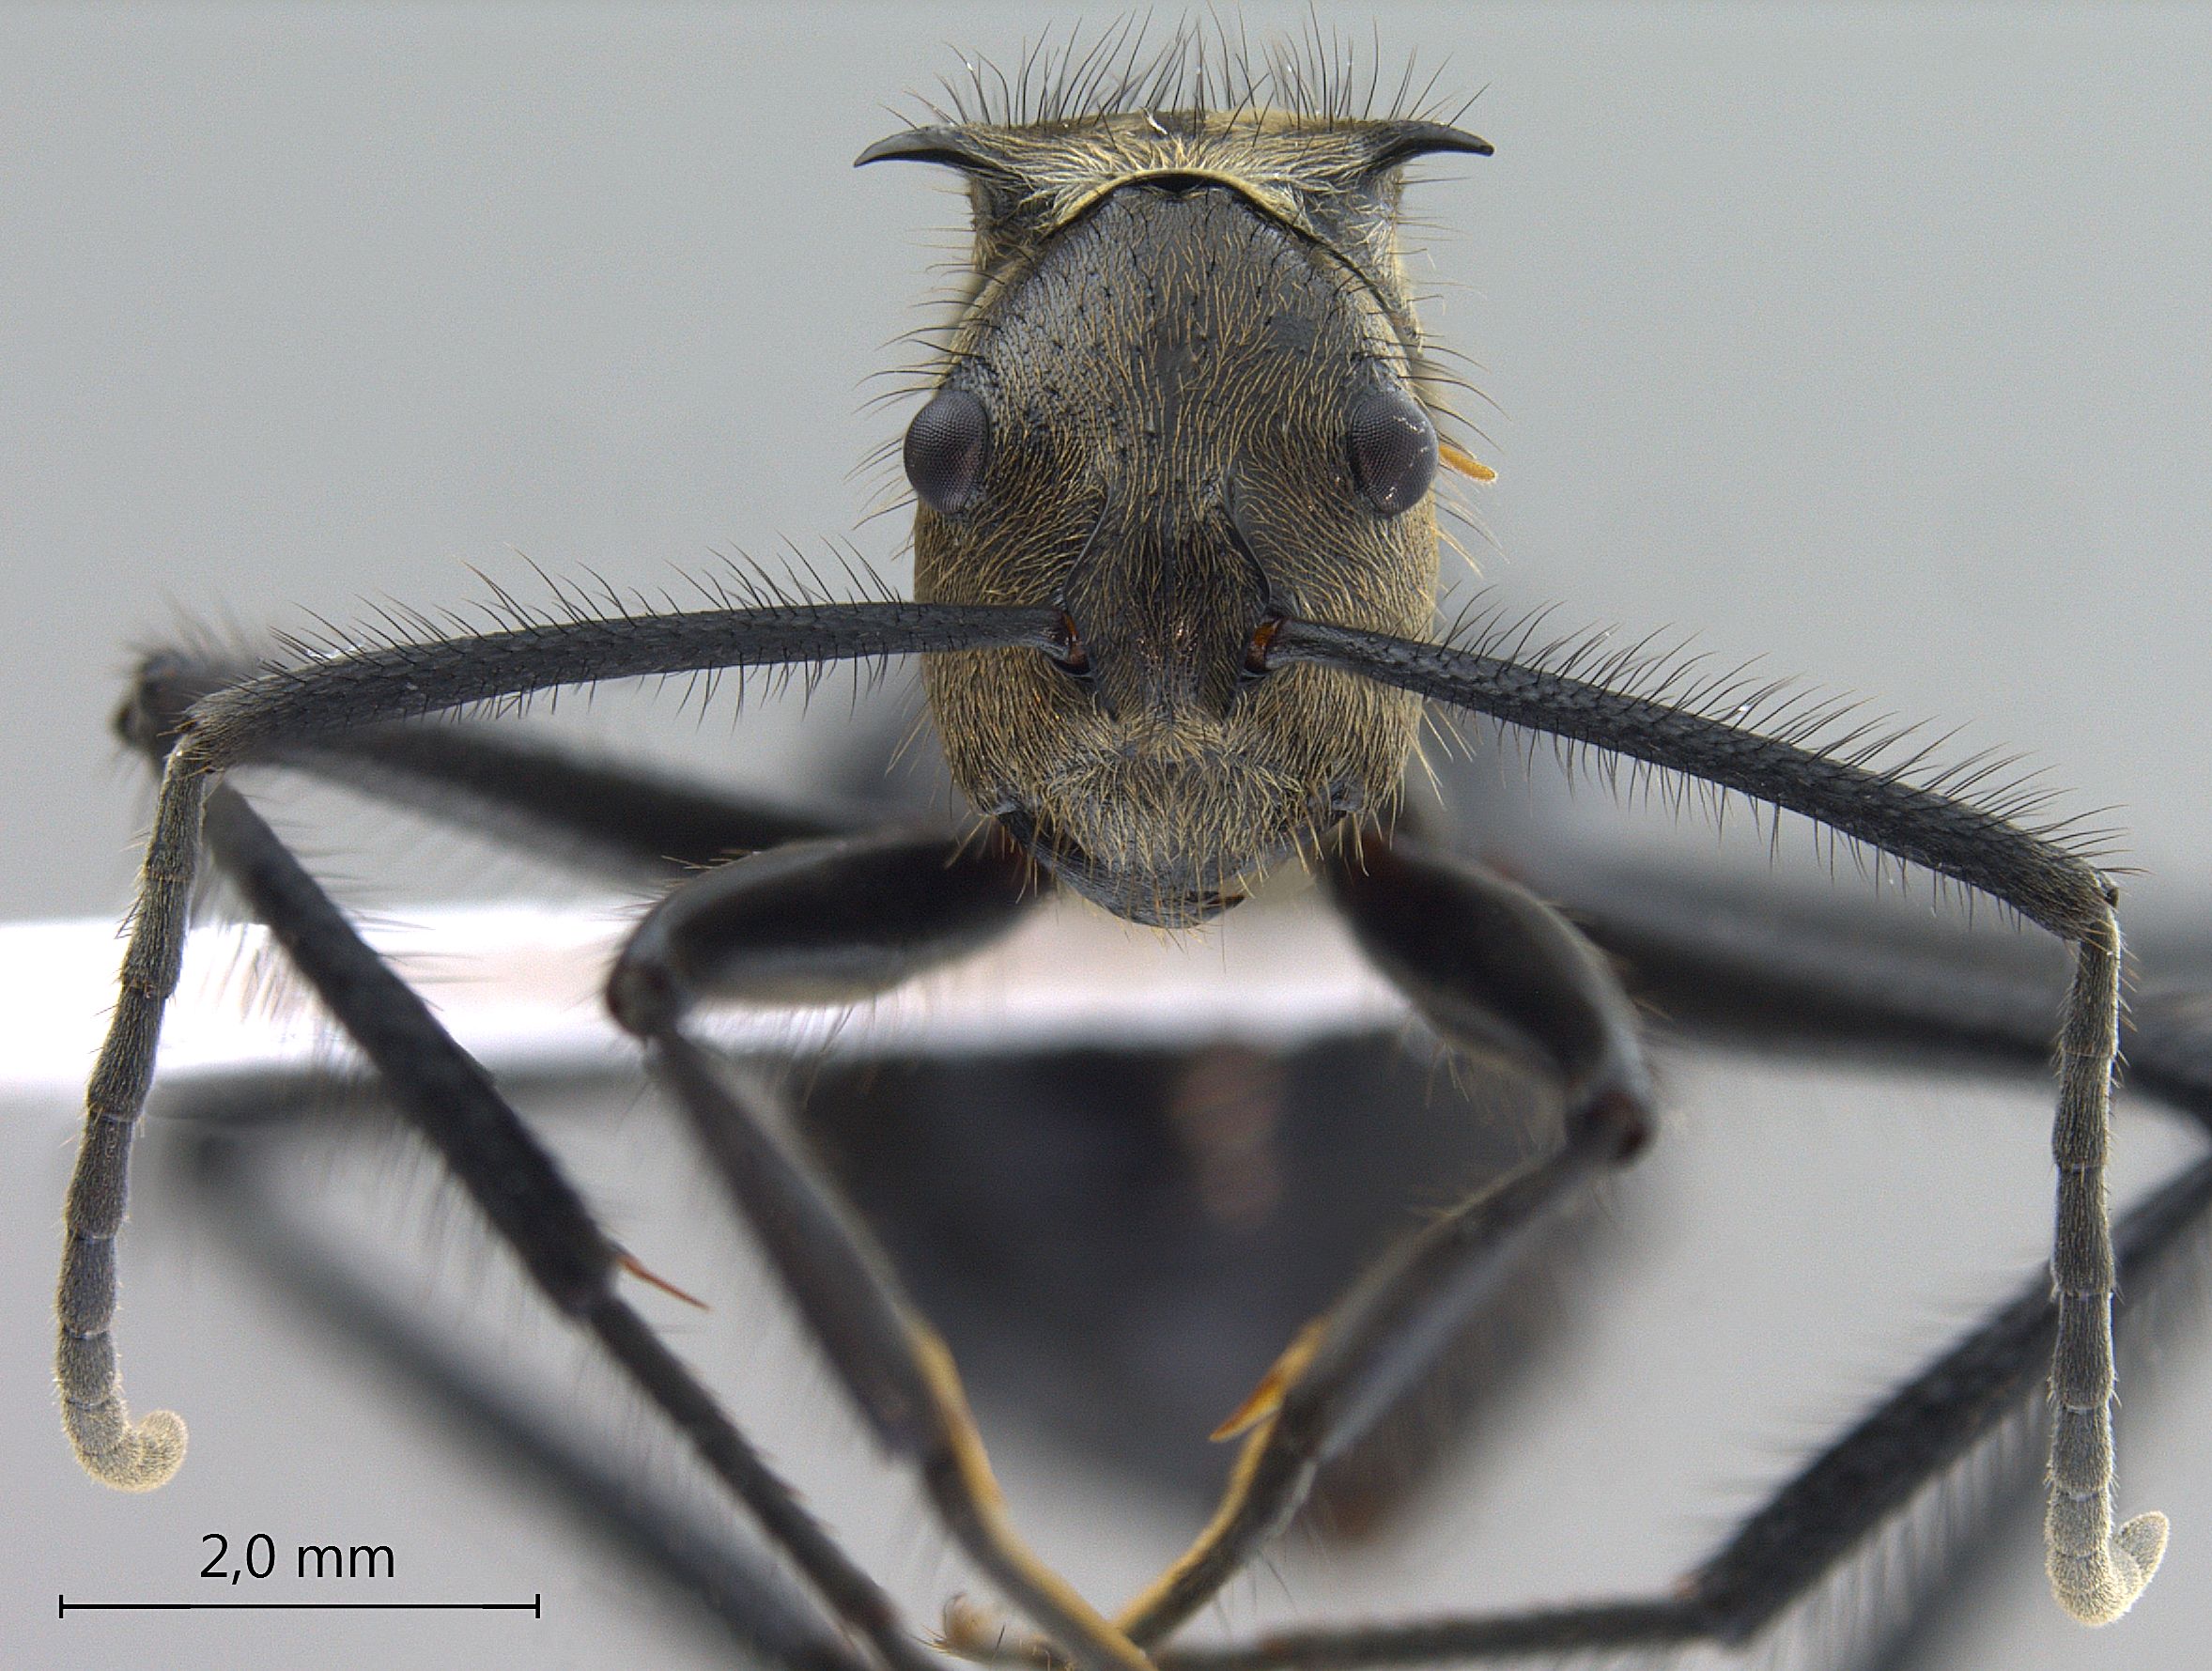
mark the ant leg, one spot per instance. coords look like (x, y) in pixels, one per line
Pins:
(1493, 969)
(606, 817)
(1792, 976)
(287, 708)
(453, 1104)
(844, 920)
(1990, 1011)
(572, 805)
(1774, 973)
(2096, 1568)
(1810, 1526)
(705, 1557)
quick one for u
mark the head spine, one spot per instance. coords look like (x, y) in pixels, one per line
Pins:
(1336, 182)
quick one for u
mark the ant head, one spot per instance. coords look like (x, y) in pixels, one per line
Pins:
(1183, 401)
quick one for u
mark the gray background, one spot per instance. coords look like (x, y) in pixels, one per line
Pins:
(1872, 342)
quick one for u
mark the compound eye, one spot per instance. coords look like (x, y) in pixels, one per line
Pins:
(1393, 449)
(945, 450)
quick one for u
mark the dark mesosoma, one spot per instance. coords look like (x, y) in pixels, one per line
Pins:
(1176, 579)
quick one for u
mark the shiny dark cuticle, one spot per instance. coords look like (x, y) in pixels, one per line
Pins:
(947, 447)
(1393, 449)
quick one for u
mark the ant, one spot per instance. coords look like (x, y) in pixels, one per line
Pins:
(1175, 582)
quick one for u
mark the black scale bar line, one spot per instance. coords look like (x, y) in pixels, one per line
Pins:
(535, 1606)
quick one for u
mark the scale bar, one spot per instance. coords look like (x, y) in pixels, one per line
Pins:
(535, 1606)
